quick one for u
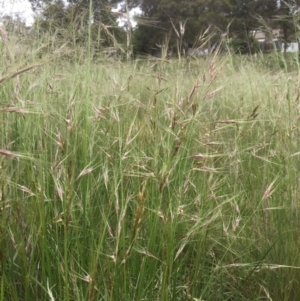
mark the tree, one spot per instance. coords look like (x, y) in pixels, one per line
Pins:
(288, 19)
(181, 21)
(77, 24)
(197, 15)
(101, 9)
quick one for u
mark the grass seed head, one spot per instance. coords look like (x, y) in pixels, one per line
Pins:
(10, 154)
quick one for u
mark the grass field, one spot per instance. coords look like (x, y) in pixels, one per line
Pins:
(149, 180)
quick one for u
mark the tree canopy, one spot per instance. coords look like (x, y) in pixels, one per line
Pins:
(72, 22)
(198, 15)
(181, 22)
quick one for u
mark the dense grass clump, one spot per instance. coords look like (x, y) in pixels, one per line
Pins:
(148, 180)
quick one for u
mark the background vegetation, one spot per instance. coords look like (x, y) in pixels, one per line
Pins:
(182, 22)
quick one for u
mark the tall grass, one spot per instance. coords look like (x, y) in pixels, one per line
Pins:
(148, 180)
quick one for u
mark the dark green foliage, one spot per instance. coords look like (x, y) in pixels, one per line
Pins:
(71, 25)
(232, 16)
(174, 22)
(244, 45)
(288, 20)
